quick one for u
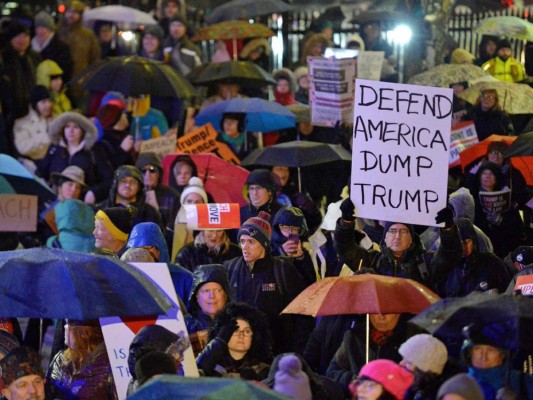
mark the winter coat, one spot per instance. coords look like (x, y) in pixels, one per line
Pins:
(30, 134)
(149, 125)
(83, 45)
(58, 51)
(191, 255)
(489, 122)
(184, 55)
(510, 70)
(75, 222)
(109, 146)
(94, 379)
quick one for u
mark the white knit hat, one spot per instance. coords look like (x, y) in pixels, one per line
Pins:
(425, 352)
(195, 186)
(290, 380)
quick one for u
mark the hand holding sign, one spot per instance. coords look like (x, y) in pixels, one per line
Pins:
(348, 210)
(445, 215)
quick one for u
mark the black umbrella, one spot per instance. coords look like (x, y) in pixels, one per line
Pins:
(512, 314)
(54, 283)
(245, 9)
(134, 76)
(244, 73)
(522, 146)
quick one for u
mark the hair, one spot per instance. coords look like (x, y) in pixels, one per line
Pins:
(313, 40)
(237, 116)
(222, 248)
(79, 126)
(496, 105)
(85, 340)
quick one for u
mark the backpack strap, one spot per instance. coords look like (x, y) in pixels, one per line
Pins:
(423, 268)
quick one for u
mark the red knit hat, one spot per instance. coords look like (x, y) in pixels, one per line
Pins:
(109, 115)
(394, 378)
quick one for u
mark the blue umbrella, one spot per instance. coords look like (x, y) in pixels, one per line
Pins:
(261, 115)
(54, 283)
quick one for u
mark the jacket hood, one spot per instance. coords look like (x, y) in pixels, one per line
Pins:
(45, 70)
(463, 203)
(208, 273)
(182, 158)
(74, 216)
(57, 126)
(288, 75)
(149, 234)
(290, 216)
(122, 172)
(150, 158)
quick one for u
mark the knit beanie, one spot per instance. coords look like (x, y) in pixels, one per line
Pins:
(290, 380)
(156, 31)
(115, 98)
(18, 363)
(462, 385)
(15, 28)
(45, 20)
(300, 72)
(109, 115)
(503, 44)
(154, 363)
(195, 186)
(38, 93)
(125, 171)
(117, 220)
(75, 5)
(394, 378)
(262, 177)
(425, 352)
(408, 226)
(8, 342)
(259, 228)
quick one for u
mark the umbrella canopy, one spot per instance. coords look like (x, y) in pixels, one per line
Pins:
(118, 14)
(302, 112)
(524, 164)
(232, 30)
(522, 146)
(478, 150)
(261, 115)
(515, 98)
(135, 76)
(14, 178)
(246, 9)
(297, 154)
(362, 294)
(170, 387)
(378, 16)
(244, 73)
(513, 27)
(222, 180)
(54, 283)
(512, 313)
(447, 74)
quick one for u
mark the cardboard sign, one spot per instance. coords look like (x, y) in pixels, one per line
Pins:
(331, 88)
(524, 283)
(203, 140)
(401, 140)
(495, 202)
(369, 65)
(119, 332)
(162, 146)
(18, 213)
(213, 216)
(462, 137)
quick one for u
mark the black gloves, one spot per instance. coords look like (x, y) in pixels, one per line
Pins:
(445, 215)
(226, 331)
(348, 210)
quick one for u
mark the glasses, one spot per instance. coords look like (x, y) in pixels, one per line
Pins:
(401, 232)
(255, 188)
(213, 291)
(245, 332)
(496, 153)
(151, 170)
(488, 96)
(287, 228)
(130, 181)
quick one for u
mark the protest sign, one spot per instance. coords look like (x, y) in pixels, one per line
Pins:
(119, 332)
(401, 139)
(331, 90)
(495, 202)
(524, 283)
(463, 136)
(213, 216)
(203, 140)
(369, 65)
(162, 146)
(18, 212)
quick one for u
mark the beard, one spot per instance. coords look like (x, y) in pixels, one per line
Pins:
(503, 58)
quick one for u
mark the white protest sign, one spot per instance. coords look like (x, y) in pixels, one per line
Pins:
(119, 332)
(161, 146)
(18, 212)
(331, 90)
(400, 150)
(462, 137)
(369, 65)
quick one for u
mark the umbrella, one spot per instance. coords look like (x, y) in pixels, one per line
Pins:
(379, 16)
(522, 146)
(246, 9)
(511, 313)
(302, 112)
(135, 76)
(244, 73)
(515, 98)
(261, 115)
(362, 294)
(170, 387)
(120, 14)
(54, 283)
(222, 180)
(524, 164)
(14, 178)
(232, 30)
(513, 27)
(446, 74)
(480, 149)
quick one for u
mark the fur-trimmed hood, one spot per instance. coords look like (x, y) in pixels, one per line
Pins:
(287, 74)
(57, 126)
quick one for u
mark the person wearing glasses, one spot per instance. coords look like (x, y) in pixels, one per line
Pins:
(239, 345)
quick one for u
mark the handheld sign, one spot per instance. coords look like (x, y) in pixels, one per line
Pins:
(162, 146)
(369, 65)
(18, 212)
(401, 138)
(463, 136)
(524, 283)
(213, 216)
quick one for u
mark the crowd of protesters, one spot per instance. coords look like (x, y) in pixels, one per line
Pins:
(233, 284)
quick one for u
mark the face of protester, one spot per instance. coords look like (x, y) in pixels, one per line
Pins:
(72, 16)
(177, 30)
(21, 42)
(193, 198)
(453, 396)
(258, 195)
(488, 101)
(398, 239)
(150, 43)
(282, 173)
(69, 190)
(367, 389)
(504, 53)
(241, 341)
(73, 133)
(171, 9)
(182, 173)
(228, 91)
(496, 157)
(305, 128)
(231, 127)
(384, 322)
(211, 298)
(303, 82)
(45, 108)
(56, 84)
(42, 33)
(103, 238)
(468, 247)
(490, 48)
(283, 86)
(29, 387)
(150, 176)
(105, 35)
(214, 238)
(127, 189)
(252, 250)
(371, 32)
(487, 180)
(485, 356)
(458, 89)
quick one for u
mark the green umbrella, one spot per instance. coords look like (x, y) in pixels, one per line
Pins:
(513, 27)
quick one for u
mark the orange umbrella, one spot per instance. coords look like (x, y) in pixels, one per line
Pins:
(472, 153)
(525, 165)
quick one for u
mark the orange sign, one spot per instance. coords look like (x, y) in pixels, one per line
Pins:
(213, 216)
(524, 283)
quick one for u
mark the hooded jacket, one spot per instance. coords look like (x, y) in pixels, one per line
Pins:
(193, 254)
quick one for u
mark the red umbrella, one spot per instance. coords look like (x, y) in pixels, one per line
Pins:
(222, 180)
(473, 153)
(525, 165)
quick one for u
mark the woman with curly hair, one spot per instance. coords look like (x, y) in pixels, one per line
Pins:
(239, 346)
(82, 370)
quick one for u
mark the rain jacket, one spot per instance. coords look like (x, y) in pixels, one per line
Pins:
(30, 134)
(510, 70)
(60, 101)
(148, 122)
(149, 234)
(184, 55)
(75, 221)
